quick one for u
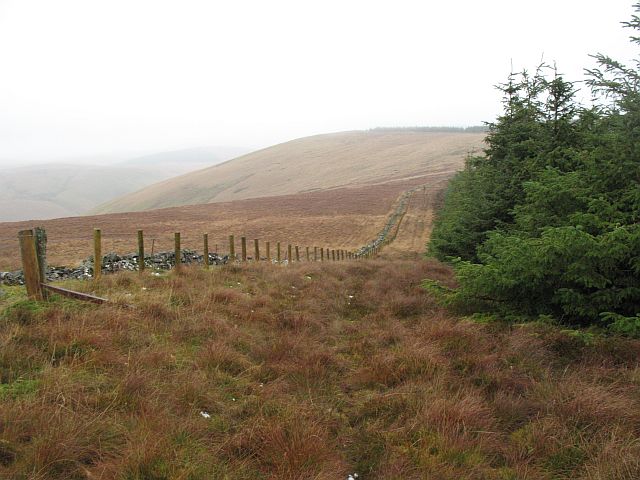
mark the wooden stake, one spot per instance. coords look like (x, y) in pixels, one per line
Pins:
(232, 248)
(205, 250)
(268, 251)
(97, 253)
(297, 253)
(30, 268)
(278, 252)
(257, 249)
(178, 251)
(333, 255)
(322, 254)
(243, 242)
(315, 254)
(307, 254)
(289, 257)
(41, 252)
(140, 251)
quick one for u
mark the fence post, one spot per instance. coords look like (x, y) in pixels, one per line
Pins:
(289, 253)
(257, 248)
(41, 254)
(30, 268)
(333, 255)
(278, 252)
(322, 254)
(297, 253)
(97, 253)
(232, 247)
(178, 252)
(140, 251)
(315, 254)
(268, 251)
(243, 242)
(342, 254)
(205, 250)
(307, 254)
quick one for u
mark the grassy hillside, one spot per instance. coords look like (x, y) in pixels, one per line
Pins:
(308, 164)
(342, 218)
(312, 370)
(306, 371)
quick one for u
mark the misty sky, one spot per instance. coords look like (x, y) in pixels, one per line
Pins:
(88, 77)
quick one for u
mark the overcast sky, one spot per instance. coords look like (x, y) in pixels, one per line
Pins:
(88, 77)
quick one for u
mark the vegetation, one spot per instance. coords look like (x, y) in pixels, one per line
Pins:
(309, 371)
(547, 222)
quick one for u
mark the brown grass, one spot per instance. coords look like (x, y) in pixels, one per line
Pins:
(306, 371)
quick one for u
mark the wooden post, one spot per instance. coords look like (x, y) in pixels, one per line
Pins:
(308, 254)
(178, 252)
(342, 254)
(41, 252)
(257, 249)
(97, 253)
(333, 255)
(322, 254)
(278, 257)
(315, 254)
(268, 251)
(140, 251)
(232, 248)
(205, 250)
(30, 268)
(289, 253)
(297, 253)
(243, 242)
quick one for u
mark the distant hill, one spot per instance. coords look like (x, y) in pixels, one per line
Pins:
(61, 190)
(311, 163)
(55, 190)
(197, 156)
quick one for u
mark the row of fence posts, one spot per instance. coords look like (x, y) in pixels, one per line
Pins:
(293, 252)
(33, 253)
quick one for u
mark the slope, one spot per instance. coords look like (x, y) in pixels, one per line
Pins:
(308, 164)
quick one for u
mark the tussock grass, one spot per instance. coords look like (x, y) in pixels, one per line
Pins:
(305, 371)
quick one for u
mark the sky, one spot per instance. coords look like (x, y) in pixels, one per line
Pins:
(91, 79)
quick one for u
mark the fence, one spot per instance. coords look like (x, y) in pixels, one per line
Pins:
(33, 253)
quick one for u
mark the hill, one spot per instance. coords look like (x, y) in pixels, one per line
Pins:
(309, 164)
(57, 190)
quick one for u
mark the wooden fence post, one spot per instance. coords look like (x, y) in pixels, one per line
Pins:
(243, 242)
(307, 254)
(205, 250)
(322, 254)
(315, 254)
(178, 252)
(140, 251)
(289, 253)
(97, 253)
(232, 248)
(278, 252)
(41, 252)
(342, 254)
(333, 255)
(297, 253)
(30, 268)
(268, 251)
(257, 249)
